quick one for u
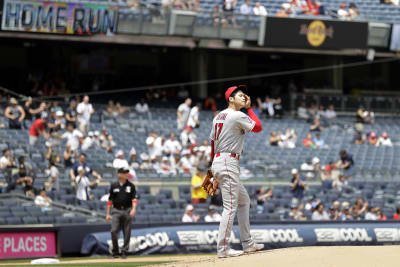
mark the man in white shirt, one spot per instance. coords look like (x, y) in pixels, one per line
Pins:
(88, 141)
(384, 140)
(188, 138)
(343, 12)
(183, 113)
(307, 169)
(320, 214)
(259, 10)
(5, 159)
(193, 120)
(213, 215)
(245, 8)
(330, 113)
(172, 146)
(73, 137)
(185, 164)
(150, 143)
(85, 111)
(189, 216)
(42, 200)
(142, 107)
(83, 185)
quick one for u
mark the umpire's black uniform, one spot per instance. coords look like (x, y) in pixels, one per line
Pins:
(122, 196)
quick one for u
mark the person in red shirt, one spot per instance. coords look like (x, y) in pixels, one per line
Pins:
(308, 141)
(380, 216)
(396, 216)
(38, 128)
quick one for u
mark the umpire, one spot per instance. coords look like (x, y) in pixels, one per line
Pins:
(123, 199)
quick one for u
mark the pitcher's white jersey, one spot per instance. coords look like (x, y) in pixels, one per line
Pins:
(228, 130)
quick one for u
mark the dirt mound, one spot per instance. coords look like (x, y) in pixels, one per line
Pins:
(346, 256)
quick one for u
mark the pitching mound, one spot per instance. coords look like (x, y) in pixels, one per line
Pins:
(363, 256)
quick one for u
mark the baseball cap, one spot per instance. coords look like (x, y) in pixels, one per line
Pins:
(132, 151)
(90, 133)
(59, 113)
(13, 100)
(96, 133)
(315, 160)
(373, 134)
(188, 128)
(119, 153)
(232, 89)
(189, 207)
(80, 168)
(123, 170)
(295, 171)
(384, 134)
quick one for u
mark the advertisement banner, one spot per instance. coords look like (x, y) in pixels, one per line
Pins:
(203, 238)
(315, 34)
(58, 17)
(27, 245)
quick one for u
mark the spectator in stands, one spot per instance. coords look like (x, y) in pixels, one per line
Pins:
(189, 216)
(379, 215)
(359, 138)
(278, 108)
(88, 141)
(298, 185)
(134, 164)
(31, 112)
(185, 164)
(334, 211)
(364, 116)
(198, 193)
(121, 110)
(51, 154)
(53, 177)
(146, 165)
(142, 107)
(316, 126)
(343, 12)
(107, 141)
(313, 111)
(165, 167)
(120, 162)
(340, 183)
(259, 10)
(85, 110)
(282, 13)
(38, 128)
(219, 19)
(209, 102)
(267, 106)
(310, 167)
(83, 184)
(111, 110)
(288, 140)
(384, 140)
(370, 215)
(70, 114)
(213, 215)
(359, 209)
(6, 161)
(372, 139)
(327, 177)
(346, 212)
(275, 140)
(320, 214)
(69, 156)
(82, 162)
(73, 136)
(346, 164)
(308, 141)
(183, 113)
(297, 211)
(302, 112)
(330, 114)
(229, 7)
(245, 8)
(15, 114)
(193, 119)
(396, 216)
(188, 138)
(261, 196)
(353, 11)
(319, 142)
(172, 146)
(43, 200)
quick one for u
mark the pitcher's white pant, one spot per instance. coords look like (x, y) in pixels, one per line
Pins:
(226, 170)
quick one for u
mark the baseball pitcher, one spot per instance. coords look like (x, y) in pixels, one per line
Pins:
(227, 139)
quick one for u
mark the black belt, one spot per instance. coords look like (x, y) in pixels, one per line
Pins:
(122, 207)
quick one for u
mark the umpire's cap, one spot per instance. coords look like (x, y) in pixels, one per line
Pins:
(230, 90)
(123, 170)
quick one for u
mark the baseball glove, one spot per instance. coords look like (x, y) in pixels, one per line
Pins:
(208, 183)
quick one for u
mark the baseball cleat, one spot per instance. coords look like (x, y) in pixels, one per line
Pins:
(230, 253)
(254, 248)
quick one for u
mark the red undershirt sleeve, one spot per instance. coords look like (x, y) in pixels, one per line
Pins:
(257, 127)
